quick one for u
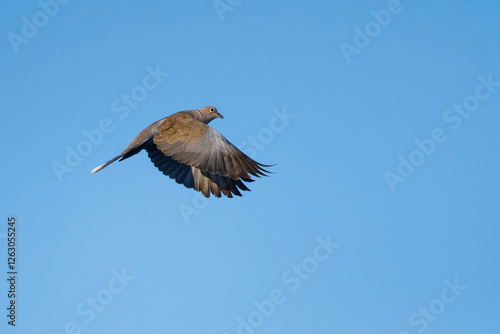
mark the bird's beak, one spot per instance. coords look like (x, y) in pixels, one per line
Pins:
(220, 116)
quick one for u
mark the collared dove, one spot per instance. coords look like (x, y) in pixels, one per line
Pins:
(186, 149)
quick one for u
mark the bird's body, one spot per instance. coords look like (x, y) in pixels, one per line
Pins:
(186, 149)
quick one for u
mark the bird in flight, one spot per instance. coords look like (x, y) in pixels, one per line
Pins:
(184, 147)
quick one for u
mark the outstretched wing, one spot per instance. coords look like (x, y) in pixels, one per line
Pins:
(192, 177)
(191, 142)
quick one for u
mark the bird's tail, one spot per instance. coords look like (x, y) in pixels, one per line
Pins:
(98, 168)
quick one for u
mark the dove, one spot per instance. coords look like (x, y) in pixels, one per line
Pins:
(184, 147)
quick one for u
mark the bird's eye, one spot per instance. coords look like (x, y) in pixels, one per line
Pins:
(212, 109)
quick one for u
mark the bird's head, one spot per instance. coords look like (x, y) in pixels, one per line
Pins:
(209, 113)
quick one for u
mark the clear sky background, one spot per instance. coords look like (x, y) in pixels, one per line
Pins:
(382, 215)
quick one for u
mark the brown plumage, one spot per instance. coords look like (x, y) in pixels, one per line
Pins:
(186, 149)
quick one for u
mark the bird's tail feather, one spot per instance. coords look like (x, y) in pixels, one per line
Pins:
(98, 168)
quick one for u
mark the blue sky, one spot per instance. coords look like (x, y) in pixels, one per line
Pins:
(382, 212)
